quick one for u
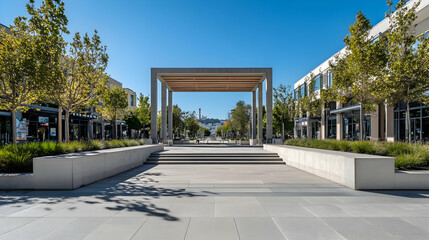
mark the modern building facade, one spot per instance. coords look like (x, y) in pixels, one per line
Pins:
(131, 98)
(341, 121)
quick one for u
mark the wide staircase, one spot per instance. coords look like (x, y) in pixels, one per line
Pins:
(214, 158)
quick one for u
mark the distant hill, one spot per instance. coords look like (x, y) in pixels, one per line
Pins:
(209, 120)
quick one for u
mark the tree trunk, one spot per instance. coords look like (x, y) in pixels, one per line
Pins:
(60, 124)
(13, 113)
(361, 123)
(67, 126)
(283, 131)
(114, 129)
(408, 122)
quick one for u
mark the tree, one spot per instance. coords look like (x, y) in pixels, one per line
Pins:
(82, 80)
(240, 117)
(178, 124)
(206, 132)
(407, 76)
(114, 104)
(191, 123)
(223, 130)
(142, 111)
(133, 121)
(282, 111)
(29, 56)
(356, 71)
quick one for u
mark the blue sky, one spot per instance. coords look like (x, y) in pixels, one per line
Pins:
(292, 37)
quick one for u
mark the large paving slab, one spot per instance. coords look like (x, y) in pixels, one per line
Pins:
(214, 202)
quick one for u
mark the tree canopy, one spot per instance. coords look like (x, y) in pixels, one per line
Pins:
(114, 102)
(240, 117)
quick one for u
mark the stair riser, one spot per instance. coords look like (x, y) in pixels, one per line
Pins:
(214, 158)
(213, 155)
(208, 163)
(225, 160)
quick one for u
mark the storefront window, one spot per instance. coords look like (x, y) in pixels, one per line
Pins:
(425, 129)
(419, 116)
(5, 130)
(332, 128)
(351, 127)
(315, 130)
(304, 132)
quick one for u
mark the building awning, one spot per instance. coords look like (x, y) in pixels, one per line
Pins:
(7, 114)
(346, 109)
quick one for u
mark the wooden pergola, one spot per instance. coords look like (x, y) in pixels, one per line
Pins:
(210, 80)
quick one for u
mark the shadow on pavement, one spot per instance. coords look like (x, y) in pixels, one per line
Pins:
(135, 183)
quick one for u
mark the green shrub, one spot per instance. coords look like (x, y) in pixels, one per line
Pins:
(344, 146)
(132, 143)
(94, 145)
(407, 155)
(71, 147)
(407, 161)
(114, 144)
(49, 148)
(398, 148)
(362, 147)
(18, 158)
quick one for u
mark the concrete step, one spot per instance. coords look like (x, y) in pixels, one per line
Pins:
(213, 162)
(217, 154)
(214, 158)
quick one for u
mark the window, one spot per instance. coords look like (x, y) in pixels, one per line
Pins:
(132, 100)
(329, 83)
(296, 93)
(303, 90)
(317, 83)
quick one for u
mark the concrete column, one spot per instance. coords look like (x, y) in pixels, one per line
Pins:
(390, 123)
(381, 122)
(170, 114)
(260, 130)
(375, 126)
(295, 129)
(309, 126)
(269, 107)
(163, 111)
(339, 123)
(120, 131)
(90, 130)
(322, 130)
(154, 107)
(253, 116)
(103, 131)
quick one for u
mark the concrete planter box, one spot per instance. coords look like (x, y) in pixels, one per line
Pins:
(71, 171)
(357, 171)
(255, 142)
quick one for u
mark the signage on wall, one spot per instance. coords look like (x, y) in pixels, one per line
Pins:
(21, 129)
(53, 132)
(43, 121)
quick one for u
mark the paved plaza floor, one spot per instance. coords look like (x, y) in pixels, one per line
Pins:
(204, 202)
